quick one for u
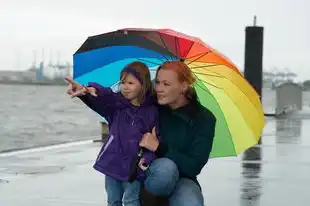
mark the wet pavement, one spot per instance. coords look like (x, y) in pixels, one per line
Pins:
(276, 172)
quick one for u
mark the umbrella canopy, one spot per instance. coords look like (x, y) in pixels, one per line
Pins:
(219, 84)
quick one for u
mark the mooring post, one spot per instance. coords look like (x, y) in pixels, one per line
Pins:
(104, 132)
(253, 61)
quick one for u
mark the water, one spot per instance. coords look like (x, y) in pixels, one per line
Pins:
(42, 115)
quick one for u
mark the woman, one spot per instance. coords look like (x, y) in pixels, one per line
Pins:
(187, 131)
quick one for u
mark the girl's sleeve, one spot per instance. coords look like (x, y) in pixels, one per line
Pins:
(106, 102)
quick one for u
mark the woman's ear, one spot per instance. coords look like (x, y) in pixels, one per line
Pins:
(185, 87)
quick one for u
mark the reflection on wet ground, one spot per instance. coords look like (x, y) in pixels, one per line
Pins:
(289, 137)
(3, 181)
(251, 184)
(288, 131)
(275, 172)
(251, 181)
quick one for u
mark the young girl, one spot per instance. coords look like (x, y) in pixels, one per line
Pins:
(130, 114)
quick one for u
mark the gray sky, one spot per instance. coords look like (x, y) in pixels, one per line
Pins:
(63, 25)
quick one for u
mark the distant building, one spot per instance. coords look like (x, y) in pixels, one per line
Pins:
(306, 85)
(6, 76)
(50, 74)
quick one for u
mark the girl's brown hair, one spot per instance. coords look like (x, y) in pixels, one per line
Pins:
(144, 77)
(184, 74)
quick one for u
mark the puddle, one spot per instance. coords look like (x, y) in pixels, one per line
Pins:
(3, 181)
(36, 170)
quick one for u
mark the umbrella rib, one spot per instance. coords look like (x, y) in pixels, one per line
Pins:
(189, 49)
(228, 94)
(232, 101)
(230, 134)
(204, 89)
(148, 61)
(211, 65)
(201, 55)
(176, 41)
(223, 115)
(241, 91)
(206, 83)
(162, 40)
(211, 75)
(164, 57)
(213, 85)
(197, 55)
(224, 77)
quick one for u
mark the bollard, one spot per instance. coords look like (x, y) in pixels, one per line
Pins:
(104, 132)
(253, 60)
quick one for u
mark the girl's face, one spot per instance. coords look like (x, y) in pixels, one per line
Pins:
(130, 88)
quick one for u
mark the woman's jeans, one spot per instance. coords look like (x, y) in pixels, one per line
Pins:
(163, 179)
(120, 192)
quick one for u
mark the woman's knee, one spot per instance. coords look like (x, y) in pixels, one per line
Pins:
(162, 176)
(186, 193)
(164, 167)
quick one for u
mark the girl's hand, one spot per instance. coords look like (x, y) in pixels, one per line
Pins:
(75, 89)
(150, 141)
(143, 165)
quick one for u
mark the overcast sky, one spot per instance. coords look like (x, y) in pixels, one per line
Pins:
(63, 25)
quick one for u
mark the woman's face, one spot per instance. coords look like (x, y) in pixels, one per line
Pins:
(168, 87)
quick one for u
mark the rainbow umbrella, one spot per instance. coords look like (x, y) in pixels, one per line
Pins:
(220, 85)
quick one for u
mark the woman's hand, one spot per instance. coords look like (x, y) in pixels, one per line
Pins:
(150, 141)
(75, 89)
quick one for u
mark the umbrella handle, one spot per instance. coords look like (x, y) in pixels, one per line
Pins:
(134, 166)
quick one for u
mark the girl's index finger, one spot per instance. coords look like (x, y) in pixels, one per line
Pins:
(70, 80)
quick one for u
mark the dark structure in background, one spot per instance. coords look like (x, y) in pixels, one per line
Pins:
(253, 62)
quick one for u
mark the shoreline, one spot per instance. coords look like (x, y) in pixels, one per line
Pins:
(45, 147)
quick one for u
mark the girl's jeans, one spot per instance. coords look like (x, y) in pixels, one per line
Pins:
(120, 192)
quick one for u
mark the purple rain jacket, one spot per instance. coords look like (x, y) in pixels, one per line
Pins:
(127, 124)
